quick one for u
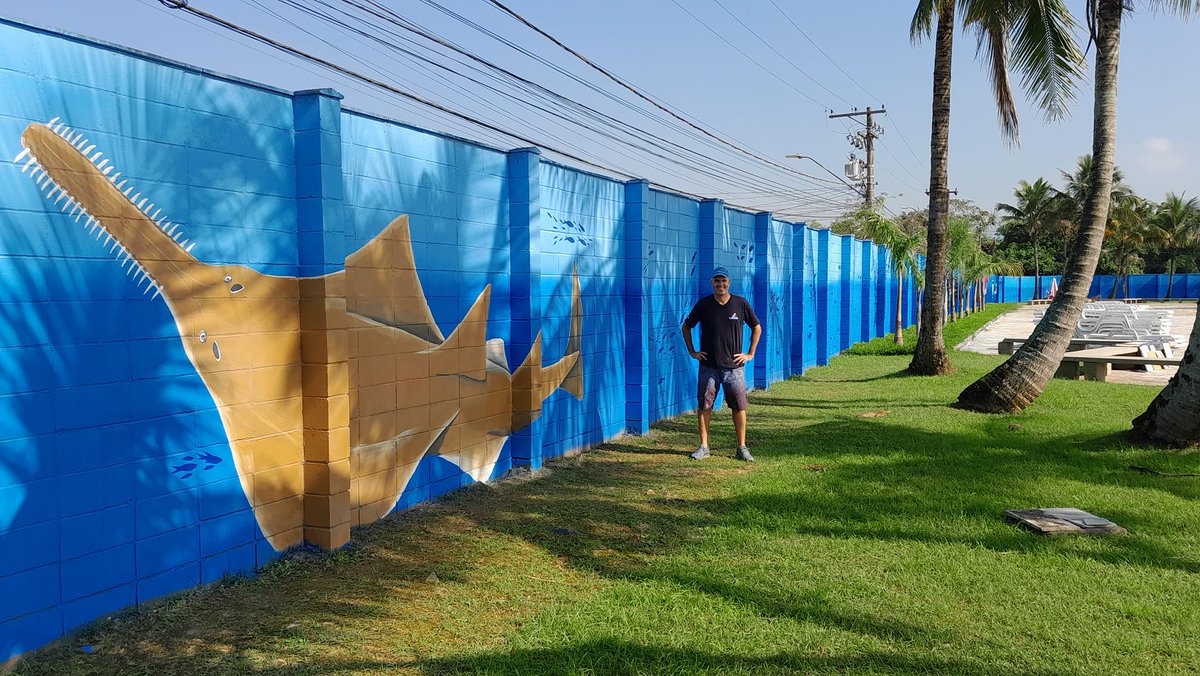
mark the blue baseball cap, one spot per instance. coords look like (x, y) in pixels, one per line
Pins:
(720, 271)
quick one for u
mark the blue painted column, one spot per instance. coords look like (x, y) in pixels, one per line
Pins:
(884, 300)
(712, 224)
(797, 284)
(321, 236)
(762, 299)
(637, 307)
(524, 241)
(324, 355)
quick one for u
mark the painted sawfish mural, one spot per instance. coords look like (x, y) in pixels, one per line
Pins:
(286, 358)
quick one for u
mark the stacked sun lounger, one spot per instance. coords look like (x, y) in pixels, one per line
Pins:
(1114, 319)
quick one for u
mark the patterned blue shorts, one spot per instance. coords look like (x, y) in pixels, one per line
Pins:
(734, 382)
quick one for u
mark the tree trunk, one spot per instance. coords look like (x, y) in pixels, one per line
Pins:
(1173, 418)
(930, 357)
(1116, 283)
(920, 300)
(899, 309)
(1017, 382)
(1037, 269)
(1170, 276)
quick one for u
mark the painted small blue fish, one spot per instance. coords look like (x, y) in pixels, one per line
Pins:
(184, 468)
(210, 460)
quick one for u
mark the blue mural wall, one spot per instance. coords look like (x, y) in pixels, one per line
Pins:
(117, 482)
(1020, 289)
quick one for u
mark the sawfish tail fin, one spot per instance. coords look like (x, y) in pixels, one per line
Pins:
(533, 383)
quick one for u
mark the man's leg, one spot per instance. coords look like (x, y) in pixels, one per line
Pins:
(735, 396)
(705, 417)
(706, 392)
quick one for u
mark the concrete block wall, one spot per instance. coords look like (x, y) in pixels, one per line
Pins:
(119, 481)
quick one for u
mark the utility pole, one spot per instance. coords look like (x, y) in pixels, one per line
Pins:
(865, 140)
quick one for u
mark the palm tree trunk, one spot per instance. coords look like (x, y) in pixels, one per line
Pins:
(899, 309)
(930, 357)
(1019, 381)
(1116, 283)
(1170, 276)
(1173, 417)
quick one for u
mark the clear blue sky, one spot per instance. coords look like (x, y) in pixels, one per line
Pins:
(777, 106)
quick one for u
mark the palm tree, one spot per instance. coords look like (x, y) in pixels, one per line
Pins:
(1176, 224)
(1128, 230)
(1074, 195)
(904, 249)
(1037, 207)
(1173, 418)
(1019, 381)
(1040, 33)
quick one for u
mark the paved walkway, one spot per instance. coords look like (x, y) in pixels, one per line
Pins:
(1020, 322)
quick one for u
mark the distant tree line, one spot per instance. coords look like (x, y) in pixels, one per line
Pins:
(1141, 236)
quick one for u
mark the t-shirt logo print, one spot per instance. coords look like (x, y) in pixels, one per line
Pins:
(733, 316)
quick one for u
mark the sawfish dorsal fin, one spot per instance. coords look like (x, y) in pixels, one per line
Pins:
(465, 352)
(382, 283)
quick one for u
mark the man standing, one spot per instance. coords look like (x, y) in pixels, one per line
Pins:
(722, 362)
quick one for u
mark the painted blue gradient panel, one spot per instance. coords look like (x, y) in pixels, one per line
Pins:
(778, 300)
(867, 267)
(672, 271)
(107, 435)
(805, 248)
(851, 292)
(582, 232)
(829, 296)
(455, 195)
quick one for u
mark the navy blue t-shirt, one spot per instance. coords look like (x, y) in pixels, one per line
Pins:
(721, 328)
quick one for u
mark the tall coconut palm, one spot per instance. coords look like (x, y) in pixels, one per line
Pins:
(1019, 381)
(1176, 224)
(904, 250)
(1073, 196)
(1037, 207)
(1043, 50)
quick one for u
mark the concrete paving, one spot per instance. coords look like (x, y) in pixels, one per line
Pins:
(1020, 322)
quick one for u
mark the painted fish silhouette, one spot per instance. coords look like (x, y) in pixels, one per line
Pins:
(185, 468)
(210, 460)
(285, 358)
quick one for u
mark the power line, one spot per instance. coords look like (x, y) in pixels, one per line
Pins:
(639, 93)
(778, 53)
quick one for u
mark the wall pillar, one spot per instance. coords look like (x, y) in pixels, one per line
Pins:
(712, 225)
(637, 307)
(323, 345)
(525, 295)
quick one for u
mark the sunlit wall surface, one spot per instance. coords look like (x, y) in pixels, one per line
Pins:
(119, 481)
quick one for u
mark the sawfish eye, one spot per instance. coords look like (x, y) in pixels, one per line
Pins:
(235, 288)
(228, 279)
(216, 350)
(204, 336)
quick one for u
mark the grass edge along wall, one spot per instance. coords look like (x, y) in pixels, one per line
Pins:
(238, 318)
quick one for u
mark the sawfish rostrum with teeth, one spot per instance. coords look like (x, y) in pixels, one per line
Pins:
(283, 357)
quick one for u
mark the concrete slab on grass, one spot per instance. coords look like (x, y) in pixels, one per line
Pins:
(1063, 521)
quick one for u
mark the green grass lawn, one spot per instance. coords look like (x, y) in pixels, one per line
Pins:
(868, 538)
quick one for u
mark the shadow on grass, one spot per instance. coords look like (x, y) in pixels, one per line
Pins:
(612, 514)
(623, 657)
